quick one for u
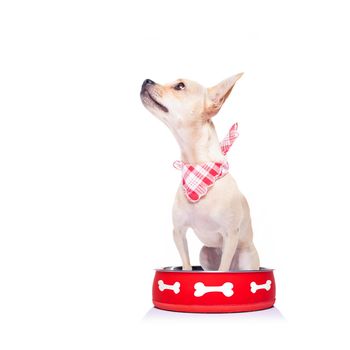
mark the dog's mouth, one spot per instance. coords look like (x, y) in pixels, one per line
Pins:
(146, 94)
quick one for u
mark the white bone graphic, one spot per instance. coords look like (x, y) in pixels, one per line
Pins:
(226, 289)
(174, 287)
(254, 287)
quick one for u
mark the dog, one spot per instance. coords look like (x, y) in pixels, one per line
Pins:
(221, 217)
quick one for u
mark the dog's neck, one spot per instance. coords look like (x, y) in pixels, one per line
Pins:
(200, 144)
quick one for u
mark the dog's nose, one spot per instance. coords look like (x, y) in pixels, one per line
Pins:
(148, 82)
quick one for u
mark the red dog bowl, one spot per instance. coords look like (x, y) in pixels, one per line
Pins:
(213, 291)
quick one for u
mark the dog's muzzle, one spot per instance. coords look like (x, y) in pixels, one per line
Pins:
(145, 93)
(147, 82)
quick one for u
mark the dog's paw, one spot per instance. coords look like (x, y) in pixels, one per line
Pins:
(187, 268)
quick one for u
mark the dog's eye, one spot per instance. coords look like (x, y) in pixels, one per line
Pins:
(179, 86)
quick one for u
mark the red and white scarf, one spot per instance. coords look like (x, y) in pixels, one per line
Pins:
(198, 178)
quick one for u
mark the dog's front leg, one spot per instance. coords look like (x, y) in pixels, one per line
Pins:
(230, 241)
(182, 247)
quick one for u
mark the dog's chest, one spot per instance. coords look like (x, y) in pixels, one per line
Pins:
(203, 220)
(212, 216)
(207, 226)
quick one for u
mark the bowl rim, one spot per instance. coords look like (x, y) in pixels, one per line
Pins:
(198, 269)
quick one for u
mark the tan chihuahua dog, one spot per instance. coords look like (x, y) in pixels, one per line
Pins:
(221, 219)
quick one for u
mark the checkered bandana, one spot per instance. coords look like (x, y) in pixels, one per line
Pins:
(197, 178)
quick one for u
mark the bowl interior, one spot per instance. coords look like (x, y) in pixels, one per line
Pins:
(200, 269)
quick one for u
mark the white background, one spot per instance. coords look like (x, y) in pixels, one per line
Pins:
(86, 177)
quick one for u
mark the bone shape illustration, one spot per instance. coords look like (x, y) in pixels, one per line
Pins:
(254, 287)
(226, 289)
(174, 287)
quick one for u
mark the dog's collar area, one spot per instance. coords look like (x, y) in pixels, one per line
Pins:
(198, 178)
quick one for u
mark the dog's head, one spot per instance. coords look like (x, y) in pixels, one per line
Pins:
(185, 103)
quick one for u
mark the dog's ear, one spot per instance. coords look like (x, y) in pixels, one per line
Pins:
(218, 94)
